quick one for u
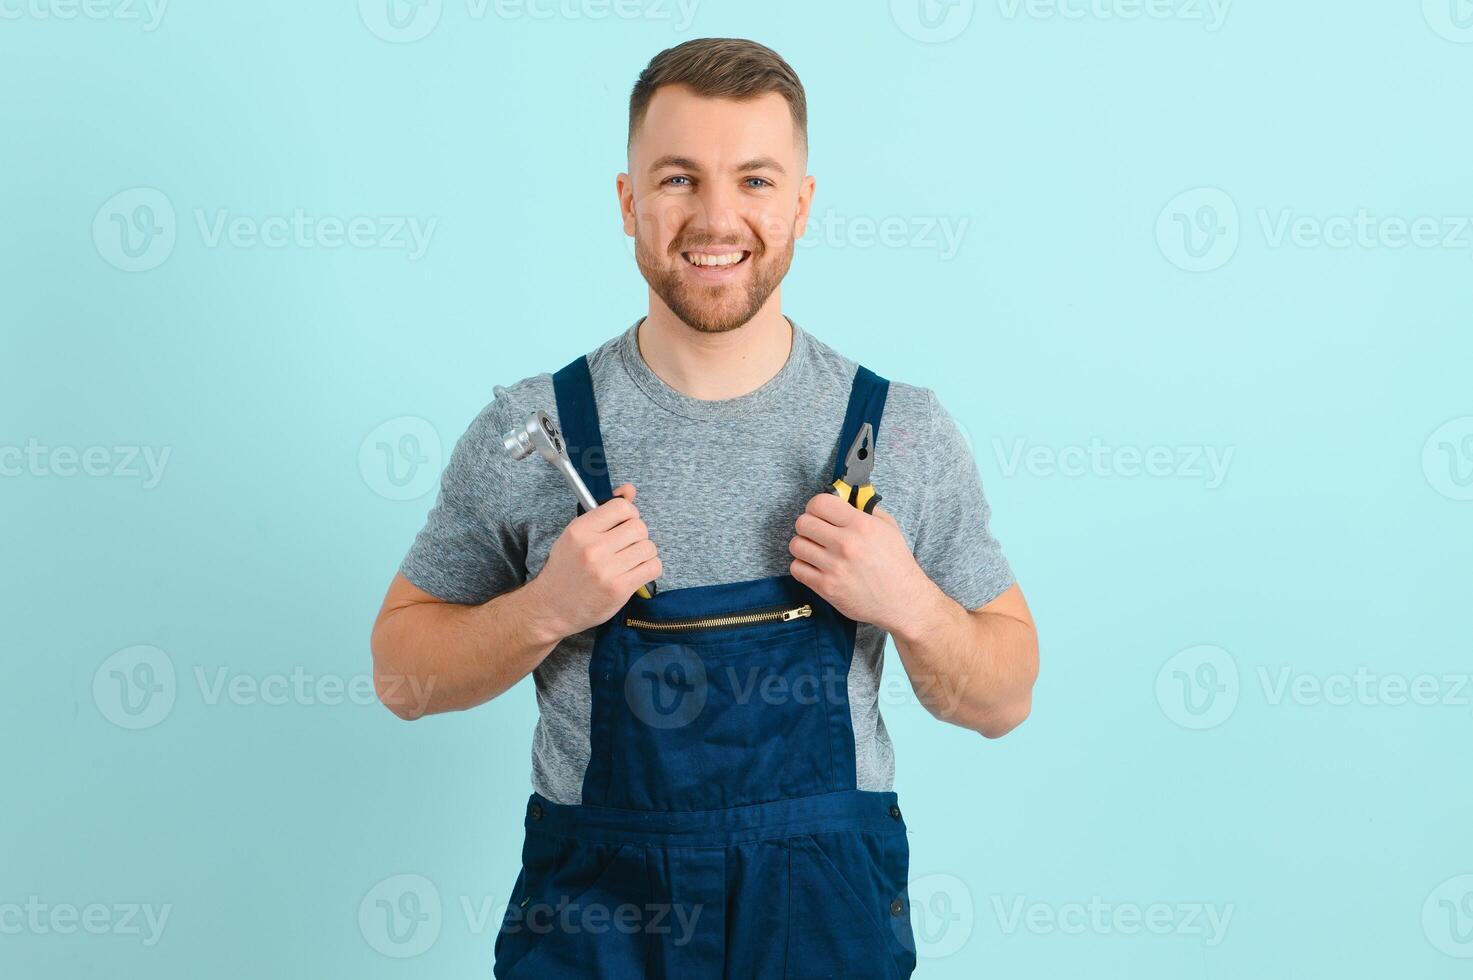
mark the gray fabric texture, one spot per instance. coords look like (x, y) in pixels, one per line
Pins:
(720, 484)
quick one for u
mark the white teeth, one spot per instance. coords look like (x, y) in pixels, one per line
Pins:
(697, 258)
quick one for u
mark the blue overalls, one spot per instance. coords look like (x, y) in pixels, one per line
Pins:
(721, 833)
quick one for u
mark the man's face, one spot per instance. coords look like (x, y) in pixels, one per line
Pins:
(715, 198)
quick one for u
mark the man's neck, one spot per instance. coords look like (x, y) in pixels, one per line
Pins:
(712, 366)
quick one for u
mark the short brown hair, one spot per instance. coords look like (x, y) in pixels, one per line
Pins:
(721, 67)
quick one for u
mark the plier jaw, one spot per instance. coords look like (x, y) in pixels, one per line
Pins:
(854, 486)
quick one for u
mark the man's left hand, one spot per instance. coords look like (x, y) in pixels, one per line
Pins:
(859, 562)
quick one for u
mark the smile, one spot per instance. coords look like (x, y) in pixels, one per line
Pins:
(716, 261)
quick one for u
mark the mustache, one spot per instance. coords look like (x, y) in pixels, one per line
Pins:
(686, 246)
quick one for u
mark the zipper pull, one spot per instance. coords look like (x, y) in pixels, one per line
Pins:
(802, 612)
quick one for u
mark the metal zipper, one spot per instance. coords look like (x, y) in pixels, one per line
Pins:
(783, 614)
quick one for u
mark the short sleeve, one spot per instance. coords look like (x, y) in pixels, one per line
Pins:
(469, 549)
(953, 544)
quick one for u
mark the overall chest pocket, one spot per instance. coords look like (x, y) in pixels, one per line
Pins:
(724, 710)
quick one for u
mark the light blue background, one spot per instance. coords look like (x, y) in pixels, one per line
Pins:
(1336, 540)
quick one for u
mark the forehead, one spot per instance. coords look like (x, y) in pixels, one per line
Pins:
(679, 121)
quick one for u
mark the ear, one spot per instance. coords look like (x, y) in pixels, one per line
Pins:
(805, 203)
(625, 188)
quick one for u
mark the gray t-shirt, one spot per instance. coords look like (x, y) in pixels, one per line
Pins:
(720, 484)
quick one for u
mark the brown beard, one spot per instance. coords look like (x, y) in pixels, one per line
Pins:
(693, 302)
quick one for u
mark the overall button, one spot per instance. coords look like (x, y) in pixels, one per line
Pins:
(897, 907)
(894, 812)
(536, 811)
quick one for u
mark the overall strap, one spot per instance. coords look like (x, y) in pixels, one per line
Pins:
(866, 404)
(578, 419)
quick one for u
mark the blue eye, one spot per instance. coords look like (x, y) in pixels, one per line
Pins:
(763, 181)
(676, 177)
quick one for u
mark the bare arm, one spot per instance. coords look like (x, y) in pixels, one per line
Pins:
(431, 656)
(972, 668)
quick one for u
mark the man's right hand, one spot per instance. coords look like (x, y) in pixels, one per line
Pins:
(596, 564)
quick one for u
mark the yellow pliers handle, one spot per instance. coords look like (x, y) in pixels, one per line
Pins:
(863, 497)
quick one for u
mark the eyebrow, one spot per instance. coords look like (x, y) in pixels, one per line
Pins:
(686, 163)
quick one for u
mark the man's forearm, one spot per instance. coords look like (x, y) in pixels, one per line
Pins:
(972, 668)
(430, 657)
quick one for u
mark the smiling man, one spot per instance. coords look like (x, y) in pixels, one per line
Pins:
(712, 779)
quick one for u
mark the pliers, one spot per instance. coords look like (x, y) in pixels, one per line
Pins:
(854, 485)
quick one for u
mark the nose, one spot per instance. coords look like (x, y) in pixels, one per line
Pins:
(720, 207)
